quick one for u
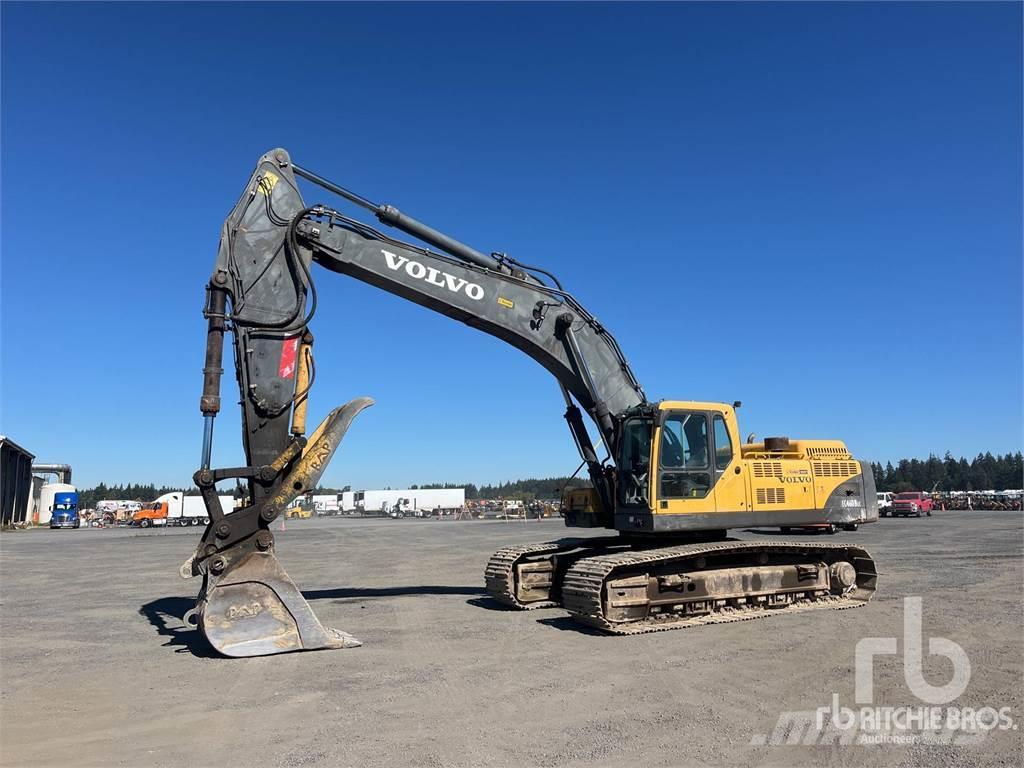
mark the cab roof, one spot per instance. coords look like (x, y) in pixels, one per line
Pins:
(693, 405)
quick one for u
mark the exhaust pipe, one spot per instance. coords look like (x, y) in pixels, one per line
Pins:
(62, 471)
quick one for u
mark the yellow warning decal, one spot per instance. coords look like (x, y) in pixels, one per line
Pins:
(267, 182)
(505, 302)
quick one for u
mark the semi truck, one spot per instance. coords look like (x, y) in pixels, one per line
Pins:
(326, 504)
(65, 510)
(177, 509)
(421, 502)
(348, 502)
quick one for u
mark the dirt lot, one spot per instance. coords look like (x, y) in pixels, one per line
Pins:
(97, 668)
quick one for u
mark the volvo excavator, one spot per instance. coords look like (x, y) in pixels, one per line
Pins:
(675, 480)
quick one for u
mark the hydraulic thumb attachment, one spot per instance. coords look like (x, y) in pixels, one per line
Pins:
(248, 606)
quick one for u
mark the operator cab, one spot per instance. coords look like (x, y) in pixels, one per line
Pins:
(677, 459)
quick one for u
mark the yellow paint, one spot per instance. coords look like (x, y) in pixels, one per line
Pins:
(674, 506)
(800, 478)
(505, 302)
(583, 500)
(302, 389)
(731, 486)
(266, 185)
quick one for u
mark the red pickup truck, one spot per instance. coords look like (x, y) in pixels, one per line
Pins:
(911, 503)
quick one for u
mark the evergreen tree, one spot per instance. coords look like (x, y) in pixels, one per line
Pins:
(985, 472)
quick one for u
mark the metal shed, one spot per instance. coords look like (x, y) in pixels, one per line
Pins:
(15, 482)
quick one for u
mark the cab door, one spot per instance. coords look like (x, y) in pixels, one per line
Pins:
(683, 464)
(731, 493)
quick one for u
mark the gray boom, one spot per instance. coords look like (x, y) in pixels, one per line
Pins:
(262, 291)
(530, 316)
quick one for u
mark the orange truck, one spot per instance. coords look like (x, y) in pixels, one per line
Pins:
(176, 509)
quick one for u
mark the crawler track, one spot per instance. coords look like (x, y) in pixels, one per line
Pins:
(627, 588)
(500, 573)
(584, 588)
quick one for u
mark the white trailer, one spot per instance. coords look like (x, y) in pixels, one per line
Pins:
(409, 502)
(375, 502)
(348, 502)
(438, 500)
(325, 504)
(190, 510)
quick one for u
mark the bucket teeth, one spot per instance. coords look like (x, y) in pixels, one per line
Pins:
(255, 609)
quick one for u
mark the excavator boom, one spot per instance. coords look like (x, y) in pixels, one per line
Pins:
(262, 291)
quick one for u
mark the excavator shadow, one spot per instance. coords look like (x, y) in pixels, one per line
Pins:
(343, 594)
(796, 531)
(165, 614)
(564, 623)
(488, 603)
(567, 624)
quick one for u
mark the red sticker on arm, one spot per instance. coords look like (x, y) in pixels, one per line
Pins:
(289, 352)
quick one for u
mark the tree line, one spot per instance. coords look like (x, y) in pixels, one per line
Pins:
(984, 472)
(526, 489)
(144, 492)
(88, 497)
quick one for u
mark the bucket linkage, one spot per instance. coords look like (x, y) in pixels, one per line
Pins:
(248, 605)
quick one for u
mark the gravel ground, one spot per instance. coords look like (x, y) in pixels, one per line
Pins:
(97, 668)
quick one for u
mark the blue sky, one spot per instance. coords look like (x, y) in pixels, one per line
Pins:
(815, 209)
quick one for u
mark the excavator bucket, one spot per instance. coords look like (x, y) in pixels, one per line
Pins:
(252, 607)
(256, 610)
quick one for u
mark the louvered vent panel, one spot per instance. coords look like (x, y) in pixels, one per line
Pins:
(828, 452)
(835, 468)
(771, 495)
(767, 469)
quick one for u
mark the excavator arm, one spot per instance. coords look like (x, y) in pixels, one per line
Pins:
(262, 291)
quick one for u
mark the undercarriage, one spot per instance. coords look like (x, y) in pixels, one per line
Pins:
(627, 586)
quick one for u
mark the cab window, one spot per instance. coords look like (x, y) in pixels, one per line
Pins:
(723, 445)
(684, 441)
(634, 461)
(683, 456)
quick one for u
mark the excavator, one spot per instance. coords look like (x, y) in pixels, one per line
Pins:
(675, 477)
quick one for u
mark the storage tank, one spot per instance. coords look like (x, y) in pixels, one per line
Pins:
(44, 509)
